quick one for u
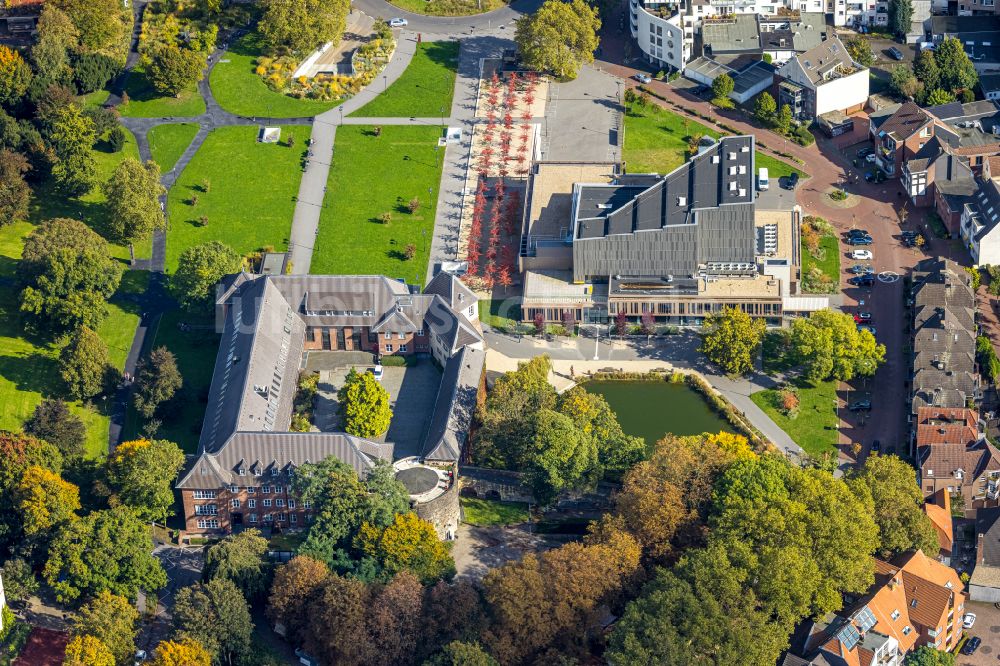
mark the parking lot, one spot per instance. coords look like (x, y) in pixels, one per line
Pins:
(987, 627)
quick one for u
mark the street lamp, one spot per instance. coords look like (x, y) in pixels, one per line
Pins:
(385, 82)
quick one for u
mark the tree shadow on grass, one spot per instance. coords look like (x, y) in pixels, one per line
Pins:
(33, 372)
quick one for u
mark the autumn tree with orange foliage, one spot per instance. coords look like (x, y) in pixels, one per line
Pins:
(45, 500)
(88, 651)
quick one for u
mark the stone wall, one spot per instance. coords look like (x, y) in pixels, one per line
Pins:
(443, 512)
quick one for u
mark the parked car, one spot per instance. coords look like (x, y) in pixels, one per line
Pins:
(866, 327)
(858, 232)
(969, 620)
(642, 78)
(866, 151)
(859, 240)
(870, 158)
(971, 645)
(895, 53)
(876, 446)
(377, 371)
(862, 280)
(861, 255)
(398, 23)
(792, 181)
(861, 269)
(860, 406)
(699, 90)
(862, 317)
(910, 233)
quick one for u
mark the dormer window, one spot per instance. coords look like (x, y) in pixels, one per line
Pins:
(243, 471)
(257, 472)
(274, 471)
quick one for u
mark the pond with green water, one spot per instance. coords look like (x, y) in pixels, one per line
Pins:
(653, 409)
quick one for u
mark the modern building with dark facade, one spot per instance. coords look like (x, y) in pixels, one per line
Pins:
(247, 455)
(598, 241)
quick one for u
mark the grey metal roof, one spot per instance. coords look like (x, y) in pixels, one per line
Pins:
(986, 202)
(990, 82)
(708, 68)
(282, 452)
(454, 406)
(753, 76)
(988, 525)
(951, 25)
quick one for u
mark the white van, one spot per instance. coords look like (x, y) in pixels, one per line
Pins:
(762, 181)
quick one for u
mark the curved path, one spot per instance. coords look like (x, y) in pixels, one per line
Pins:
(498, 19)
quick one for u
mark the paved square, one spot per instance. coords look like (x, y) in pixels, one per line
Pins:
(412, 392)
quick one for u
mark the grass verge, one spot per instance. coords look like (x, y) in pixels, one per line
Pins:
(146, 102)
(239, 90)
(248, 207)
(828, 263)
(775, 168)
(372, 175)
(168, 142)
(448, 7)
(424, 90)
(815, 426)
(482, 512)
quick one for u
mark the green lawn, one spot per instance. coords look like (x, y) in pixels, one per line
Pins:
(829, 261)
(775, 168)
(656, 142)
(238, 89)
(195, 350)
(490, 512)
(251, 197)
(492, 313)
(815, 427)
(424, 89)
(656, 139)
(94, 99)
(449, 7)
(89, 208)
(146, 102)
(370, 176)
(168, 143)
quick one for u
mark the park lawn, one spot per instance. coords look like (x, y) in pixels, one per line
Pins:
(29, 368)
(372, 175)
(47, 204)
(656, 142)
(815, 427)
(830, 262)
(424, 90)
(496, 312)
(146, 102)
(448, 7)
(168, 142)
(11, 245)
(251, 197)
(94, 99)
(484, 512)
(656, 139)
(195, 350)
(238, 89)
(775, 168)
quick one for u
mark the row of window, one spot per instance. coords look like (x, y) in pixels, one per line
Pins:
(274, 472)
(402, 336)
(250, 490)
(252, 504)
(270, 518)
(402, 348)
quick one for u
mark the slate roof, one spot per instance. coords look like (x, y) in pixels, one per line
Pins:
(906, 121)
(944, 335)
(950, 25)
(986, 203)
(454, 406)
(988, 525)
(989, 82)
(278, 451)
(823, 58)
(256, 368)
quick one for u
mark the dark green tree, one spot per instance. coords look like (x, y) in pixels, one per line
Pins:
(783, 121)
(957, 70)
(141, 474)
(157, 380)
(216, 615)
(105, 550)
(860, 50)
(242, 559)
(72, 136)
(117, 139)
(902, 523)
(133, 193)
(55, 423)
(173, 69)
(925, 655)
(563, 457)
(765, 107)
(300, 26)
(200, 268)
(722, 86)
(900, 16)
(84, 364)
(19, 580)
(92, 71)
(15, 194)
(926, 69)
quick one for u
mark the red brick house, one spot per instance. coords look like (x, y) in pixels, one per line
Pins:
(247, 455)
